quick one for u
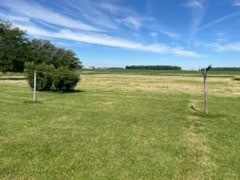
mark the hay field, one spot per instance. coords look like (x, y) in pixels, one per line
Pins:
(219, 86)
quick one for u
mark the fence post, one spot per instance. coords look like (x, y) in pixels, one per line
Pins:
(34, 86)
(205, 71)
(205, 91)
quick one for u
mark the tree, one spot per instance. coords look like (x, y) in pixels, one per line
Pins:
(16, 50)
(13, 48)
(45, 52)
(18, 53)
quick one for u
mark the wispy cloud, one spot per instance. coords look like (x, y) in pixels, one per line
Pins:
(197, 9)
(196, 4)
(155, 27)
(230, 47)
(153, 34)
(169, 33)
(106, 40)
(93, 12)
(116, 9)
(43, 22)
(221, 37)
(236, 3)
(132, 22)
(220, 46)
(35, 11)
(219, 20)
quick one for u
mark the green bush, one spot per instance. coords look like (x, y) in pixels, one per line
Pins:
(50, 78)
(44, 76)
(66, 80)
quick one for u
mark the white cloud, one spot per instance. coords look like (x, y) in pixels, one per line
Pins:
(194, 4)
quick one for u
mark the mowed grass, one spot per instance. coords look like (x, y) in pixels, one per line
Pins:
(121, 126)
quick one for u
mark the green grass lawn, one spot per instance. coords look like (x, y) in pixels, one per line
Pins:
(119, 126)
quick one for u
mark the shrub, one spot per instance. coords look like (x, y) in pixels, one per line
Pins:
(66, 80)
(50, 78)
(44, 76)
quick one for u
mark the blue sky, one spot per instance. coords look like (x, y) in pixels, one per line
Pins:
(104, 33)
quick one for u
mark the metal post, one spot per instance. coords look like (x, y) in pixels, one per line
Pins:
(35, 86)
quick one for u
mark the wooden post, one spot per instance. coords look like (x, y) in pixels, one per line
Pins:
(205, 91)
(205, 71)
(34, 86)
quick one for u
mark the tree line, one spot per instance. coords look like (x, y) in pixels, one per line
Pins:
(18, 53)
(225, 69)
(154, 67)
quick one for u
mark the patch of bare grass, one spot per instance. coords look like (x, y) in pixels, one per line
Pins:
(197, 145)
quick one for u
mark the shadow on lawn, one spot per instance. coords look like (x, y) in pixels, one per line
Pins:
(12, 78)
(210, 115)
(69, 91)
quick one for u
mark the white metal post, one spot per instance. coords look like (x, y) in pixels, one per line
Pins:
(35, 86)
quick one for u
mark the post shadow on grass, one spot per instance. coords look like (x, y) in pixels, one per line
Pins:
(69, 91)
(202, 114)
(32, 102)
(12, 79)
(212, 116)
(72, 91)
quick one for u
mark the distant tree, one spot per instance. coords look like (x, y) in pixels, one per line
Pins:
(224, 69)
(13, 48)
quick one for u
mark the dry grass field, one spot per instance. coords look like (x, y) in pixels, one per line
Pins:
(219, 86)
